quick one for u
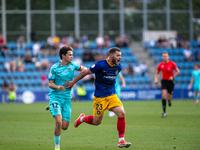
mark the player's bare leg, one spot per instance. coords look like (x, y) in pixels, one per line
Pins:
(57, 130)
(87, 119)
(196, 98)
(169, 97)
(119, 111)
(65, 124)
(164, 94)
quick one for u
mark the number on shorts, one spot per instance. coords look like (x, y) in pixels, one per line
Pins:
(99, 107)
(55, 105)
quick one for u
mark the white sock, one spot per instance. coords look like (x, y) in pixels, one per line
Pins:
(120, 139)
(81, 119)
(57, 146)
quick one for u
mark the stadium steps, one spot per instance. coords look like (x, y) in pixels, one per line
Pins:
(142, 55)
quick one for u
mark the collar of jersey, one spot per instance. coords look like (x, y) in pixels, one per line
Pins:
(61, 65)
(109, 63)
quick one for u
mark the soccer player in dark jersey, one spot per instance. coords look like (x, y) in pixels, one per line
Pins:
(105, 96)
(167, 68)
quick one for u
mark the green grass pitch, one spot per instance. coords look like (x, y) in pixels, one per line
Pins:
(30, 127)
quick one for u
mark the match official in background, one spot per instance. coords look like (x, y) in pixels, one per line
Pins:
(167, 83)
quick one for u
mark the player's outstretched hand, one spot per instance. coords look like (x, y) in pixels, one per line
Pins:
(171, 78)
(156, 81)
(69, 84)
(123, 85)
(189, 87)
(61, 88)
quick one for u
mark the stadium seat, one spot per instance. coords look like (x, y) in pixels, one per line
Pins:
(12, 45)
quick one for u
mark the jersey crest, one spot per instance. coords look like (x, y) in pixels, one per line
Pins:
(116, 72)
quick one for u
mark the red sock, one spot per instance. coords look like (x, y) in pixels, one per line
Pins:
(121, 126)
(88, 119)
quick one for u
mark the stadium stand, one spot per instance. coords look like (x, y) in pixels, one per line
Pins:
(30, 78)
(176, 55)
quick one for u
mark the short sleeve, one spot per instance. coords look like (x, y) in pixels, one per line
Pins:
(52, 74)
(95, 68)
(158, 68)
(77, 66)
(192, 73)
(174, 66)
(120, 67)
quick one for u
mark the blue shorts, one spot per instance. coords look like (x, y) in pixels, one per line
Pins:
(60, 106)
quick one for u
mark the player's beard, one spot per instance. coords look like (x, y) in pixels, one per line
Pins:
(114, 61)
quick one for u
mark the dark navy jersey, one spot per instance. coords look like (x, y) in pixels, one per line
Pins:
(105, 75)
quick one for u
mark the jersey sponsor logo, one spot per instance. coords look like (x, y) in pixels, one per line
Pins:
(93, 66)
(104, 71)
(98, 112)
(116, 72)
(110, 77)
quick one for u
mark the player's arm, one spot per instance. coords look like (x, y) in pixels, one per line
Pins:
(83, 68)
(156, 77)
(191, 82)
(123, 81)
(176, 73)
(69, 84)
(53, 86)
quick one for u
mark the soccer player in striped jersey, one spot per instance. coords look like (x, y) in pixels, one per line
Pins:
(118, 89)
(105, 96)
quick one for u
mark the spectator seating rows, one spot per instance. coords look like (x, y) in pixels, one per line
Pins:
(30, 79)
(176, 55)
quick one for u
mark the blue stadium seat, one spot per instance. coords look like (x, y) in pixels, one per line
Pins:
(21, 52)
(193, 43)
(1, 82)
(12, 45)
(150, 51)
(23, 88)
(112, 43)
(22, 74)
(147, 79)
(29, 45)
(26, 81)
(92, 44)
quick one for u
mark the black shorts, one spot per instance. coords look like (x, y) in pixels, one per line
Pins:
(168, 85)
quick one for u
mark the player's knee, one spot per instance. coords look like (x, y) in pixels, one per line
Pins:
(59, 123)
(65, 128)
(122, 114)
(96, 123)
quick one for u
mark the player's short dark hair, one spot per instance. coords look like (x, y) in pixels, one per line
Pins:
(165, 52)
(197, 65)
(114, 49)
(64, 50)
